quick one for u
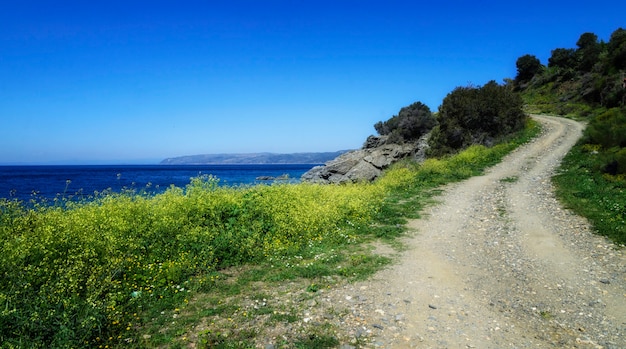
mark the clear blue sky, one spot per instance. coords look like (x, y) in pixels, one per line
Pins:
(138, 81)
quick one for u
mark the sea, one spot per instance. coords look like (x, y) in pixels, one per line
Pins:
(44, 183)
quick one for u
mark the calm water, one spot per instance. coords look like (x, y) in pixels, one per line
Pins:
(51, 181)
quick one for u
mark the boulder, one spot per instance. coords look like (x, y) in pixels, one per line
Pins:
(367, 163)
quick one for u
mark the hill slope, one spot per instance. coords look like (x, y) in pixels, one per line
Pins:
(253, 158)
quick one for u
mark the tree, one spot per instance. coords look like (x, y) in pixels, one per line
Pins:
(588, 51)
(587, 41)
(476, 115)
(527, 67)
(410, 124)
(617, 49)
(563, 58)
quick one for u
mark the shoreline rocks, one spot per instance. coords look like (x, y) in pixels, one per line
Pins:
(367, 163)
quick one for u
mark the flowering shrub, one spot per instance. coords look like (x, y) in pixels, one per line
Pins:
(79, 274)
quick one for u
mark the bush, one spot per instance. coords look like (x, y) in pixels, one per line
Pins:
(409, 125)
(476, 115)
(608, 129)
(527, 67)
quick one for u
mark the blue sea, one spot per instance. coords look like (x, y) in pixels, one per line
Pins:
(48, 182)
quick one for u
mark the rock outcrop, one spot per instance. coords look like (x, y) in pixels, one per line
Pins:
(367, 163)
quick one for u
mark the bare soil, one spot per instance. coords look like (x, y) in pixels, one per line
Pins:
(497, 263)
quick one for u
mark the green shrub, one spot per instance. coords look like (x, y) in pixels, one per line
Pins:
(410, 124)
(476, 115)
(608, 129)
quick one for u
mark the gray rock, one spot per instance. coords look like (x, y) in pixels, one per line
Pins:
(367, 163)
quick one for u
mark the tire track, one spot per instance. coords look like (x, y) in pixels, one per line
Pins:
(498, 263)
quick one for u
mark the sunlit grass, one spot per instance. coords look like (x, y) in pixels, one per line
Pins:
(600, 198)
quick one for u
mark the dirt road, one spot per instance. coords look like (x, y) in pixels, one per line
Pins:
(498, 263)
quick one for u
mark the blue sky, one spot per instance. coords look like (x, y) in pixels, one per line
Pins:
(139, 81)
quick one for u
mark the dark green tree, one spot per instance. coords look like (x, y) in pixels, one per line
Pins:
(588, 51)
(410, 124)
(617, 50)
(527, 67)
(563, 58)
(476, 115)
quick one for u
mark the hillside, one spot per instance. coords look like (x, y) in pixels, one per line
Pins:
(582, 81)
(587, 82)
(253, 158)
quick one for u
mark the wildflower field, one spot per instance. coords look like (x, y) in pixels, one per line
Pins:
(95, 273)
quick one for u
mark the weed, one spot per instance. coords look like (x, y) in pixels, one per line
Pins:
(546, 315)
(284, 317)
(317, 342)
(313, 288)
(511, 179)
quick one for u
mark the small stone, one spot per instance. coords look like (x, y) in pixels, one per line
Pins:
(432, 306)
(380, 327)
(605, 281)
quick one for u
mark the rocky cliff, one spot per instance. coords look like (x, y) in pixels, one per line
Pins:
(367, 163)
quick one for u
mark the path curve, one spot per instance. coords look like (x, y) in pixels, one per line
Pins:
(498, 263)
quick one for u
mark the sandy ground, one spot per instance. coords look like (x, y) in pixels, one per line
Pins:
(497, 263)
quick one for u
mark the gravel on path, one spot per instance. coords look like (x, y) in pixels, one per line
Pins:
(497, 263)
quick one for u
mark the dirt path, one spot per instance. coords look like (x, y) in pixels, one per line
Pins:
(498, 263)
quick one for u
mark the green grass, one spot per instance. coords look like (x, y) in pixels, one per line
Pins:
(132, 270)
(512, 179)
(585, 190)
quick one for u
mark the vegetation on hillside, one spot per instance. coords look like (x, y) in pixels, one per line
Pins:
(587, 82)
(576, 80)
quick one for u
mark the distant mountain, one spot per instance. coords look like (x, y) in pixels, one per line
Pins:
(253, 158)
